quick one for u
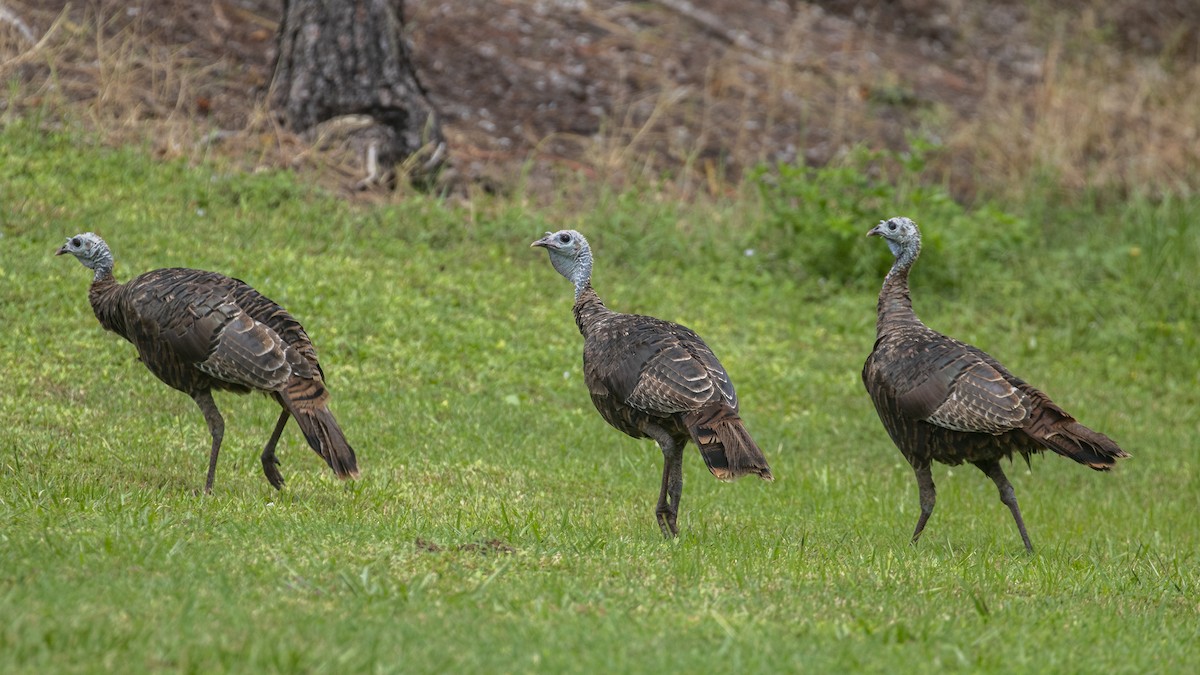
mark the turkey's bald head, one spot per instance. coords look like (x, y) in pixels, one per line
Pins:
(902, 237)
(90, 250)
(570, 255)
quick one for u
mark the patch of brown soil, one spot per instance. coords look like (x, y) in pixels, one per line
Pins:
(695, 91)
(489, 547)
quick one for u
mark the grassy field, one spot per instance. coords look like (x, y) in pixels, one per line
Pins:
(500, 525)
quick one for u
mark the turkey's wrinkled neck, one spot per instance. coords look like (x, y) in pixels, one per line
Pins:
(905, 253)
(581, 273)
(101, 263)
(576, 269)
(589, 309)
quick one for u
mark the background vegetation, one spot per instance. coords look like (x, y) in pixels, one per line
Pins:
(1014, 94)
(499, 524)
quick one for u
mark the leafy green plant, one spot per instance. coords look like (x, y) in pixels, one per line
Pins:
(814, 220)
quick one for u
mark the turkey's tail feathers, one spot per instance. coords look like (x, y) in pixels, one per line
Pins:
(725, 444)
(324, 435)
(307, 400)
(1071, 439)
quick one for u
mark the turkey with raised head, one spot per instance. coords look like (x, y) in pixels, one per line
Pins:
(656, 379)
(941, 399)
(199, 331)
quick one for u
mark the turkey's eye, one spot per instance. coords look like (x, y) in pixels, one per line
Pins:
(892, 226)
(564, 238)
(76, 243)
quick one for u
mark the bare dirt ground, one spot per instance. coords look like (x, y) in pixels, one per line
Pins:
(696, 92)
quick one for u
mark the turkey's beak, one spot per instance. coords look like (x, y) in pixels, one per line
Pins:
(544, 242)
(61, 250)
(876, 231)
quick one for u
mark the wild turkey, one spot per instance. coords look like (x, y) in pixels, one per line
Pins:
(941, 399)
(198, 331)
(655, 379)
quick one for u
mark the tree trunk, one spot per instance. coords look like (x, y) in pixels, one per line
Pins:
(344, 64)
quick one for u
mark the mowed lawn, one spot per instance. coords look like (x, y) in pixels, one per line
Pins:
(500, 525)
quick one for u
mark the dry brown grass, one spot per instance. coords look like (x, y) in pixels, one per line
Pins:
(116, 71)
(653, 93)
(1097, 117)
(93, 68)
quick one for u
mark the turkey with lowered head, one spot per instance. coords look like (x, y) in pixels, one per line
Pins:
(199, 331)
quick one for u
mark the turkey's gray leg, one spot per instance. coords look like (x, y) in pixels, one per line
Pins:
(216, 427)
(1007, 495)
(928, 497)
(667, 511)
(269, 461)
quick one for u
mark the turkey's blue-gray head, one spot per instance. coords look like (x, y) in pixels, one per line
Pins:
(570, 255)
(90, 250)
(902, 237)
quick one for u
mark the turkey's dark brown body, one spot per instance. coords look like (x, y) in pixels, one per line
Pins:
(942, 399)
(916, 354)
(656, 379)
(198, 331)
(202, 330)
(640, 370)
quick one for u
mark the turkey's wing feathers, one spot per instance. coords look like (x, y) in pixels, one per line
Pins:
(661, 368)
(247, 352)
(959, 387)
(700, 351)
(197, 317)
(672, 381)
(982, 400)
(269, 313)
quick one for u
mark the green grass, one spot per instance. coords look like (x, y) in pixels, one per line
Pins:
(500, 525)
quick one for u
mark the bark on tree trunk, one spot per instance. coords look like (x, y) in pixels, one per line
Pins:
(344, 63)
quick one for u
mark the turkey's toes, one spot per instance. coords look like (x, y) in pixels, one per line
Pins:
(666, 521)
(271, 470)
